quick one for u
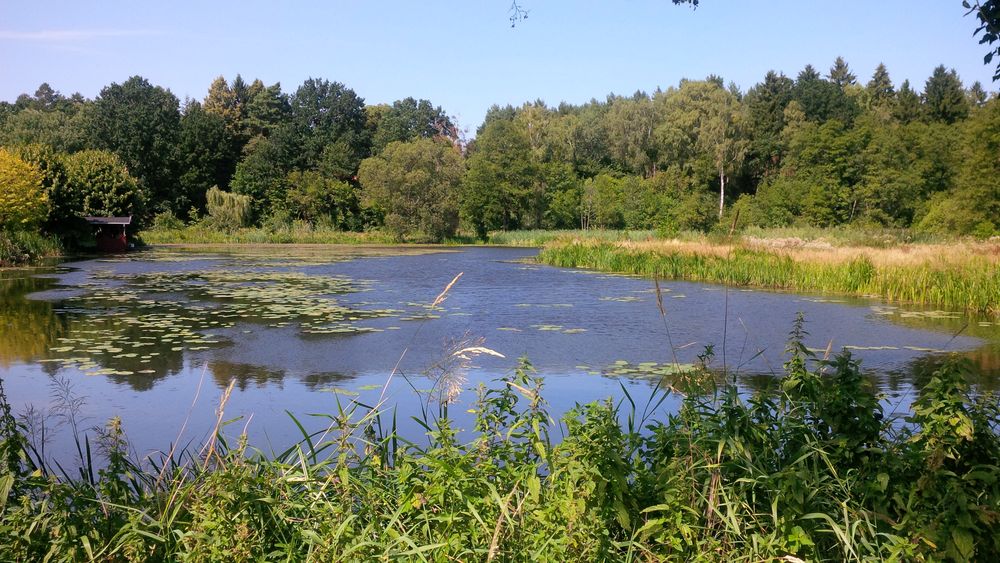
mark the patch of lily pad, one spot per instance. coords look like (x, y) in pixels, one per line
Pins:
(647, 370)
(122, 322)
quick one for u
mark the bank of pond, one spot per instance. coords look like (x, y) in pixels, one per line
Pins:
(953, 277)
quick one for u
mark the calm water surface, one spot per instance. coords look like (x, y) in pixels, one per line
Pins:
(155, 336)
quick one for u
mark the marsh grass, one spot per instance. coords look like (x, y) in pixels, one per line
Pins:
(22, 248)
(533, 238)
(792, 237)
(956, 277)
(294, 234)
(303, 233)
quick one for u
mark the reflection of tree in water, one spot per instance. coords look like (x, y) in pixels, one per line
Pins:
(982, 369)
(136, 328)
(985, 359)
(27, 328)
(246, 375)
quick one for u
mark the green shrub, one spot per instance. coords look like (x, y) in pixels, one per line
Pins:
(226, 210)
(166, 220)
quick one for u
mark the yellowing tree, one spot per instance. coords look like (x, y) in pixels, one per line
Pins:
(23, 202)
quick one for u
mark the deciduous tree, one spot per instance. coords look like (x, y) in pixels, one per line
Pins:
(324, 113)
(98, 183)
(141, 124)
(416, 184)
(409, 119)
(23, 202)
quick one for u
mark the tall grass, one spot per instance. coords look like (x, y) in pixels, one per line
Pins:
(969, 282)
(294, 234)
(542, 237)
(815, 472)
(805, 236)
(848, 236)
(304, 233)
(18, 248)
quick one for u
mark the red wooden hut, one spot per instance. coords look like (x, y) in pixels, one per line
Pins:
(110, 232)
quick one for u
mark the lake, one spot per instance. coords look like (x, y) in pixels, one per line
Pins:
(155, 336)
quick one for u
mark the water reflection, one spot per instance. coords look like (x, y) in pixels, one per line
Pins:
(27, 328)
(249, 375)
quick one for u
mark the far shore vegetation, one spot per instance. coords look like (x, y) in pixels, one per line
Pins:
(253, 163)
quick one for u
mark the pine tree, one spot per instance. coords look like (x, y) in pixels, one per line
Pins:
(944, 97)
(808, 74)
(879, 88)
(840, 73)
(907, 107)
(976, 95)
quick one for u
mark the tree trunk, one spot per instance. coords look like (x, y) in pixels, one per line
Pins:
(722, 191)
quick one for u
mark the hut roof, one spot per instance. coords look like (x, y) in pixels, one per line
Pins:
(109, 220)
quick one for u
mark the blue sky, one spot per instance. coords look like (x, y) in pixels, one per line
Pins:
(464, 56)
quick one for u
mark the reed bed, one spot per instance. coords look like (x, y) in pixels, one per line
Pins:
(305, 234)
(21, 248)
(816, 472)
(958, 277)
(541, 237)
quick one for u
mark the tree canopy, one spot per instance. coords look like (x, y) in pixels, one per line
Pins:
(809, 150)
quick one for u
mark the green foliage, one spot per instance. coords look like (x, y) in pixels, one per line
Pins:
(98, 184)
(141, 124)
(601, 203)
(879, 90)
(497, 186)
(275, 230)
(972, 287)
(63, 131)
(840, 73)
(207, 156)
(809, 151)
(988, 14)
(977, 181)
(416, 185)
(23, 201)
(765, 106)
(944, 96)
(956, 490)
(166, 220)
(324, 113)
(19, 248)
(226, 210)
(908, 107)
(823, 100)
(262, 174)
(705, 121)
(317, 199)
(406, 120)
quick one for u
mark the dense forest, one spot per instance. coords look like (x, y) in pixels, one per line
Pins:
(822, 150)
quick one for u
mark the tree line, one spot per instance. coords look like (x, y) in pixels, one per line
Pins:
(815, 149)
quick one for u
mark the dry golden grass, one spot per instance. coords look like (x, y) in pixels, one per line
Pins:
(949, 254)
